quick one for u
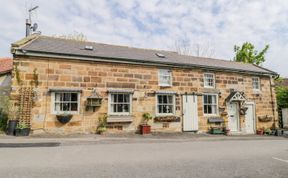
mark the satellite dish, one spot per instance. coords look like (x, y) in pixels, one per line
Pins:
(34, 27)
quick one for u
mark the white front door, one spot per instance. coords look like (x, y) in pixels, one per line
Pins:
(190, 113)
(250, 118)
(233, 117)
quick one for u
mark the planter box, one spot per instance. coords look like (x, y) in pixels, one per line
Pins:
(145, 129)
(22, 132)
(216, 130)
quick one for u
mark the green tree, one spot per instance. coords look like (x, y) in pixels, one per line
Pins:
(247, 54)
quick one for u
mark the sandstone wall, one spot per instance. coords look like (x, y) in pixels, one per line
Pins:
(142, 79)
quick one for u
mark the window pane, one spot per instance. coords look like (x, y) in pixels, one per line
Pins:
(209, 101)
(74, 97)
(170, 99)
(74, 106)
(57, 107)
(214, 109)
(126, 98)
(125, 107)
(213, 99)
(205, 99)
(209, 109)
(66, 97)
(120, 98)
(165, 99)
(114, 108)
(160, 108)
(57, 96)
(65, 106)
(160, 100)
(205, 109)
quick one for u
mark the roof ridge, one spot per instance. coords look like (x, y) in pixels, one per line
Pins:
(125, 46)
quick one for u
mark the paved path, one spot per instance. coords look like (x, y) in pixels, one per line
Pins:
(165, 158)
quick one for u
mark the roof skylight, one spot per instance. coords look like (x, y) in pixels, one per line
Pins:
(160, 55)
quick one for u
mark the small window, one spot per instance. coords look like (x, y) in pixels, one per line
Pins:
(165, 77)
(65, 102)
(210, 104)
(209, 80)
(165, 104)
(256, 83)
(120, 103)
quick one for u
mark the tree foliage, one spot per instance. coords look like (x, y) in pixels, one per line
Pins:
(247, 54)
(282, 94)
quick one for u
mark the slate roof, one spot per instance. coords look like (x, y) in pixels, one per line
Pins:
(6, 65)
(52, 45)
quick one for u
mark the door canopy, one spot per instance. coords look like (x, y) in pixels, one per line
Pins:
(236, 96)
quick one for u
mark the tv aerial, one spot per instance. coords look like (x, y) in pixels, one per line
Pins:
(34, 27)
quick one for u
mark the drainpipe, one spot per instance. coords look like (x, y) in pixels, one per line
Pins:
(272, 101)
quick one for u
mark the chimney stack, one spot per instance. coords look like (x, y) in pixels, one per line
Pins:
(28, 27)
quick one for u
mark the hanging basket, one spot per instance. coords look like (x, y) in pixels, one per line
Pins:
(64, 118)
(265, 118)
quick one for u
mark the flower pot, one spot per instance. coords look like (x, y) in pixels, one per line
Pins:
(64, 118)
(279, 132)
(12, 124)
(22, 132)
(145, 129)
(260, 132)
(227, 132)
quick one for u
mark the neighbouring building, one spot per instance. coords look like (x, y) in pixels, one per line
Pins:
(183, 93)
(6, 66)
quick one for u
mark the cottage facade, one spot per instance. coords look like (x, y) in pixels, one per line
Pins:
(183, 93)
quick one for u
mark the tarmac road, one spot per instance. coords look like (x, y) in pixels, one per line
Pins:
(206, 158)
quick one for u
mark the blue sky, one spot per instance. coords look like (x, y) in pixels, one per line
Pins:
(214, 25)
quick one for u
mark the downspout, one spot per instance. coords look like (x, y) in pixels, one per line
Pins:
(46, 96)
(272, 100)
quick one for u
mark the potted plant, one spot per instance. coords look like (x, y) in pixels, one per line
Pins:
(267, 131)
(102, 123)
(64, 117)
(22, 129)
(260, 131)
(13, 113)
(145, 128)
(226, 131)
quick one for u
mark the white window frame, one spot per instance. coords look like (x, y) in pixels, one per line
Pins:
(217, 105)
(111, 113)
(173, 108)
(53, 99)
(259, 84)
(206, 82)
(165, 73)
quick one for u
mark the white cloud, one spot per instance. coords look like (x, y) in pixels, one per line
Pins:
(159, 23)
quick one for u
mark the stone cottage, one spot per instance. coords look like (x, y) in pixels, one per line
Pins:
(183, 93)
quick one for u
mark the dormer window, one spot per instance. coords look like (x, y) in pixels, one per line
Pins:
(209, 80)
